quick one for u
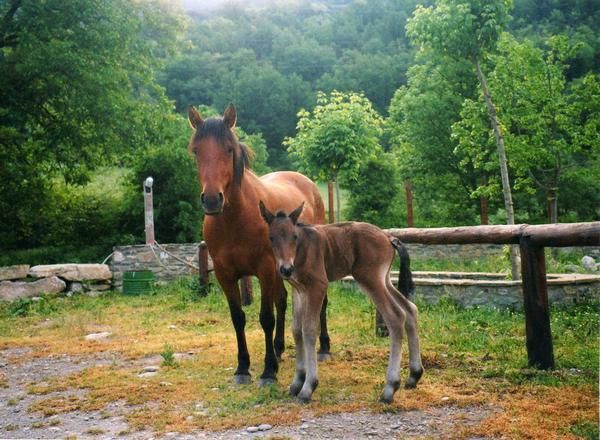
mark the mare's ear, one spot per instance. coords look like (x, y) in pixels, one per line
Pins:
(230, 116)
(295, 214)
(194, 117)
(265, 213)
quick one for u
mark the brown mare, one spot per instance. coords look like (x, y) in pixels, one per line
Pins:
(236, 236)
(309, 257)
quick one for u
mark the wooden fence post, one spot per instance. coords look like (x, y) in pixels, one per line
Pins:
(203, 269)
(535, 300)
(246, 290)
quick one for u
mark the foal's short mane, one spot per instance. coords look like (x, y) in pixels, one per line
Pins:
(216, 128)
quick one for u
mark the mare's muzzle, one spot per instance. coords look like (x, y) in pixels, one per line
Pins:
(286, 271)
(212, 204)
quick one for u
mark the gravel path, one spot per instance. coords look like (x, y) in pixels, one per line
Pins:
(17, 422)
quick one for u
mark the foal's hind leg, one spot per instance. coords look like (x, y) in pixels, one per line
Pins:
(411, 326)
(374, 285)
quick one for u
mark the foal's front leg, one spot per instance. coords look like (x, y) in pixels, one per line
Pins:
(312, 302)
(300, 375)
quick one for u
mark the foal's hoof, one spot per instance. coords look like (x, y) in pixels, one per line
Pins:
(303, 400)
(324, 356)
(386, 400)
(266, 381)
(242, 379)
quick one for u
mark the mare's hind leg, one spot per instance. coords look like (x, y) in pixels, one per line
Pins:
(238, 317)
(412, 331)
(324, 341)
(269, 287)
(373, 284)
(281, 306)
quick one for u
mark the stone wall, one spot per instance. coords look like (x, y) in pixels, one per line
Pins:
(168, 262)
(453, 251)
(23, 281)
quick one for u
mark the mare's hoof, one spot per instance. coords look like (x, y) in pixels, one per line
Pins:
(324, 356)
(266, 381)
(409, 385)
(242, 379)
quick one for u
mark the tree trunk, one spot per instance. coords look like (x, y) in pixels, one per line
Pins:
(410, 219)
(330, 201)
(552, 205)
(337, 198)
(483, 205)
(508, 203)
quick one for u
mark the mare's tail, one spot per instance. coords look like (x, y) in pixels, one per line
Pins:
(406, 284)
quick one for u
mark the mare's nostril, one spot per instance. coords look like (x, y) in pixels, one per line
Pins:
(221, 197)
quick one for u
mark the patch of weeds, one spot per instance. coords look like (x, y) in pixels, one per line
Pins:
(95, 431)
(54, 422)
(38, 425)
(11, 402)
(586, 429)
(11, 427)
(124, 432)
(168, 355)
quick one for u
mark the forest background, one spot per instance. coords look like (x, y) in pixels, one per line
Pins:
(93, 97)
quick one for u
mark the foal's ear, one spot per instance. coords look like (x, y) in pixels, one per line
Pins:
(194, 117)
(230, 116)
(295, 214)
(266, 214)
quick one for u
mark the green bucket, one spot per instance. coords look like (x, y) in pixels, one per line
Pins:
(138, 282)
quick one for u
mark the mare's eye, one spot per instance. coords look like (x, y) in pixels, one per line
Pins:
(230, 150)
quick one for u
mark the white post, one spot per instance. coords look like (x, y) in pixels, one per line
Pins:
(149, 210)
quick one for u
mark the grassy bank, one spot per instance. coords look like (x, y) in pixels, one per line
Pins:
(471, 357)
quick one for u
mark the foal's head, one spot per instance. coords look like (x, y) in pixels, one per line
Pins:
(283, 236)
(220, 158)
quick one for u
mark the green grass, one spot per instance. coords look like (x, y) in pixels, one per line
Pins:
(473, 356)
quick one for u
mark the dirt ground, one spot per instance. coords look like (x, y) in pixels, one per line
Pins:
(19, 419)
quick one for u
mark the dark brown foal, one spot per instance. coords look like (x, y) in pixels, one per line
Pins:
(310, 257)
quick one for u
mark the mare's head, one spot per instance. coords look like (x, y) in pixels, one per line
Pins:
(283, 236)
(220, 158)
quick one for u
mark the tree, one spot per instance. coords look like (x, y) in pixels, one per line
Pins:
(546, 119)
(77, 90)
(470, 31)
(336, 138)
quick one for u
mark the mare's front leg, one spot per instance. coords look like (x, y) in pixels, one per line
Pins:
(281, 306)
(312, 301)
(270, 291)
(238, 317)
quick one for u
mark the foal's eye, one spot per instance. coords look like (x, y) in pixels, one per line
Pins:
(271, 239)
(295, 237)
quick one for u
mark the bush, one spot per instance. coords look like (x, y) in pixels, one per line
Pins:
(376, 195)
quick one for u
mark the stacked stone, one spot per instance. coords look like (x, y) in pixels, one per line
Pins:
(23, 281)
(168, 262)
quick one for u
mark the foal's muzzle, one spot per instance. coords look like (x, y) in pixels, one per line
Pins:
(212, 204)
(286, 271)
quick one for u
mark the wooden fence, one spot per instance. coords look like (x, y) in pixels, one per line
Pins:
(531, 239)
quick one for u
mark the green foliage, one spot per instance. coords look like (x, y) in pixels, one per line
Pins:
(77, 90)
(376, 195)
(465, 30)
(548, 124)
(337, 137)
(168, 356)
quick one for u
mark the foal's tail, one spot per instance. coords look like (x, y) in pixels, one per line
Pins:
(406, 284)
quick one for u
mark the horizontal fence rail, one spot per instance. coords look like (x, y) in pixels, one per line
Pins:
(531, 240)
